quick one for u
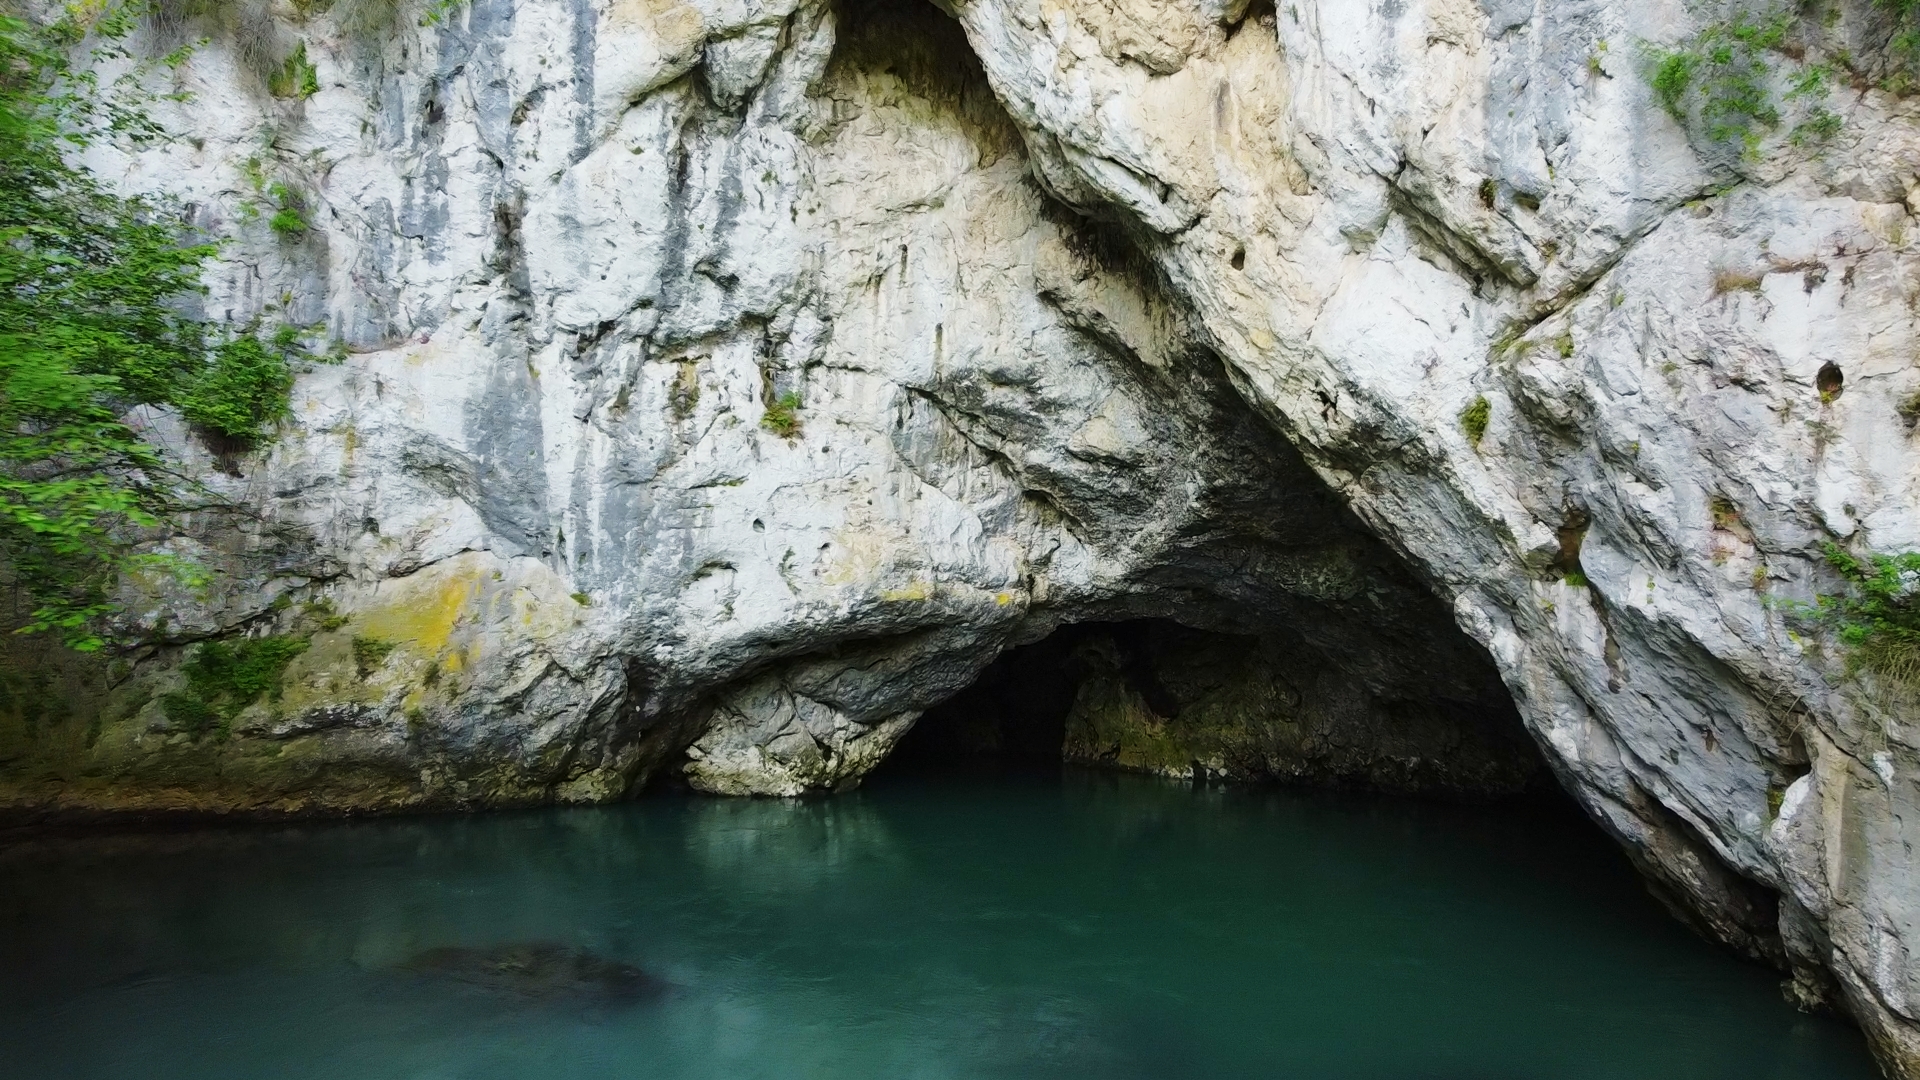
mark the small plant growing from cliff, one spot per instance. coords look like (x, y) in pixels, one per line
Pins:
(1909, 409)
(289, 211)
(1474, 419)
(245, 390)
(1903, 48)
(439, 11)
(223, 678)
(296, 76)
(368, 654)
(783, 416)
(1719, 79)
(323, 612)
(1721, 73)
(1877, 617)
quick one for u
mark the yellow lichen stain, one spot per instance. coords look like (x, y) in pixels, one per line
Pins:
(856, 555)
(443, 619)
(918, 590)
(422, 616)
(1003, 598)
(676, 29)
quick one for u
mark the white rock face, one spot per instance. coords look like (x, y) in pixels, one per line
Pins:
(729, 385)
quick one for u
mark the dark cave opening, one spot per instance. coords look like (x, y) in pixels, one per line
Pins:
(1155, 696)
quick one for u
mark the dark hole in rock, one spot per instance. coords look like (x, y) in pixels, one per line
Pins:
(923, 51)
(1571, 534)
(1829, 381)
(1239, 258)
(1152, 695)
(1258, 13)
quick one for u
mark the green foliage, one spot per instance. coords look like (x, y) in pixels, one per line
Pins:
(1474, 418)
(1903, 48)
(247, 26)
(322, 610)
(188, 712)
(783, 416)
(1673, 76)
(244, 391)
(1721, 73)
(224, 678)
(369, 653)
(583, 599)
(289, 211)
(1909, 408)
(91, 326)
(1878, 617)
(439, 11)
(1721, 77)
(1821, 124)
(296, 76)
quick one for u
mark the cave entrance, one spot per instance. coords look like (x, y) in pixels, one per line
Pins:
(1155, 696)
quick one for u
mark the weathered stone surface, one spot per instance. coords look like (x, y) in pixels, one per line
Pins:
(581, 252)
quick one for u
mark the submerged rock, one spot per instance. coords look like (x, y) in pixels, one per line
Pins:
(539, 972)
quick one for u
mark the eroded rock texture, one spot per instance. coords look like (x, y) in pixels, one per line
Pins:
(730, 382)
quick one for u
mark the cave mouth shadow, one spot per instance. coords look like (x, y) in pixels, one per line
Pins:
(1158, 697)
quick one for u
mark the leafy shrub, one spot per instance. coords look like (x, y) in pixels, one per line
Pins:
(1722, 74)
(245, 390)
(1904, 47)
(91, 324)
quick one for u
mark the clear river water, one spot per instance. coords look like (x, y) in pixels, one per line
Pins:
(970, 926)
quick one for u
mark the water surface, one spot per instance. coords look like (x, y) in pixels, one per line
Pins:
(1091, 926)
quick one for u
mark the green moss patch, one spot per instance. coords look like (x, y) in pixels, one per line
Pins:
(223, 678)
(1474, 419)
(783, 416)
(369, 653)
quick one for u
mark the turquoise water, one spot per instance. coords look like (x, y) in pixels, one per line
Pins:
(1091, 926)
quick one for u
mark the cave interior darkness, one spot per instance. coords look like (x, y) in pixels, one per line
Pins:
(1153, 695)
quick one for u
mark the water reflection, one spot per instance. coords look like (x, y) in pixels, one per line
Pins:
(1091, 927)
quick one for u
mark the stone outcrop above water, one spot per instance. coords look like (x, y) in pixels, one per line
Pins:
(727, 383)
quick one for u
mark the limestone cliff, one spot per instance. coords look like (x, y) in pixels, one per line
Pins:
(727, 383)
